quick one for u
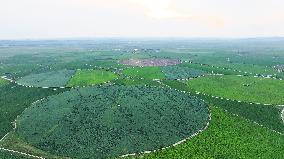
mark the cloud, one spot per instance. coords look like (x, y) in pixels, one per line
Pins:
(158, 9)
(163, 10)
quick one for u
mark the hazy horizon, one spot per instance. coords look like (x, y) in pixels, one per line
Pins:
(65, 19)
(143, 38)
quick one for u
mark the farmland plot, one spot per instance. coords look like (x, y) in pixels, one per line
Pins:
(150, 62)
(145, 72)
(109, 121)
(49, 79)
(133, 81)
(175, 72)
(249, 89)
(266, 115)
(91, 77)
(14, 99)
(227, 137)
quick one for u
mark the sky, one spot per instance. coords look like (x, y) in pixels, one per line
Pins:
(47, 19)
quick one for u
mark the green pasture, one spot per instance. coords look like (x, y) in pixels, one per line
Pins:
(242, 88)
(91, 77)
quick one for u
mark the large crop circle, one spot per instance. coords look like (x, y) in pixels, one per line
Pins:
(109, 121)
(48, 79)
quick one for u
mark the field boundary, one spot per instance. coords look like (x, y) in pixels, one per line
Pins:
(3, 138)
(21, 153)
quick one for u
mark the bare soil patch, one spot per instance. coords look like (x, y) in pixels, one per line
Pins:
(150, 62)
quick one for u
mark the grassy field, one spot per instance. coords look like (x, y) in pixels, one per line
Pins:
(145, 72)
(249, 89)
(91, 77)
(227, 137)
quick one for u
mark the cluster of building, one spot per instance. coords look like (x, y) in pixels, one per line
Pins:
(279, 68)
(151, 62)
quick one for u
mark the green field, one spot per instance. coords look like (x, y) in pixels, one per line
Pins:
(91, 77)
(13, 142)
(227, 137)
(176, 72)
(11, 108)
(9, 155)
(249, 89)
(210, 69)
(48, 79)
(268, 116)
(145, 72)
(97, 108)
(3, 82)
(137, 82)
(110, 121)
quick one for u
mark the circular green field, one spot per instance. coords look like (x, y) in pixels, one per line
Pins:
(48, 79)
(242, 88)
(109, 121)
(91, 77)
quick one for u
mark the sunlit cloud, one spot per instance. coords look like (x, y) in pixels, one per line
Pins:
(162, 10)
(159, 9)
